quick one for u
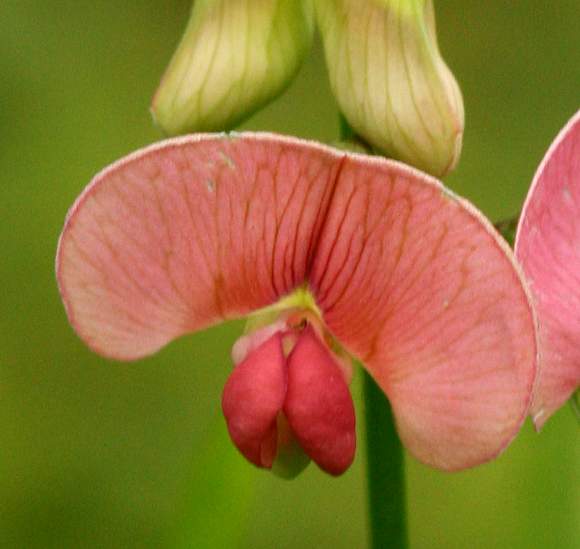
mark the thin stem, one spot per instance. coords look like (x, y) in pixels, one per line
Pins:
(385, 471)
(507, 228)
(345, 131)
(575, 403)
(385, 460)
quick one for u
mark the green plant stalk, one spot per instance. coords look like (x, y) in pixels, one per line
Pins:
(385, 459)
(385, 471)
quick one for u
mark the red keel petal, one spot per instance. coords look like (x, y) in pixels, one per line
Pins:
(318, 405)
(252, 398)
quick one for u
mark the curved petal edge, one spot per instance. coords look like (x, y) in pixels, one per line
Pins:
(548, 247)
(419, 286)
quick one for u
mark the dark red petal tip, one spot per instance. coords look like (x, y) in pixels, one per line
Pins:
(252, 398)
(318, 405)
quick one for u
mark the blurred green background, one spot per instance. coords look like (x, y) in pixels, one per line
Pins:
(96, 454)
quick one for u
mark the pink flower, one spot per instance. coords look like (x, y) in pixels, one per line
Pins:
(548, 247)
(334, 256)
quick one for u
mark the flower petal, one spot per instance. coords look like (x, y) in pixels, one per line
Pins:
(186, 234)
(548, 248)
(234, 57)
(252, 398)
(390, 80)
(413, 281)
(318, 405)
(416, 284)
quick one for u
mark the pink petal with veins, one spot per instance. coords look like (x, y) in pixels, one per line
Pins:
(188, 233)
(252, 398)
(417, 284)
(548, 247)
(411, 280)
(318, 405)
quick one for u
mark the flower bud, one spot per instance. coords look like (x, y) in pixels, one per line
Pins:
(235, 56)
(390, 80)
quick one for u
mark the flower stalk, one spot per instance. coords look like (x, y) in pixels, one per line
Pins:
(385, 471)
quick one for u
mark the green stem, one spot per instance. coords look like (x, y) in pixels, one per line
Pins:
(385, 461)
(507, 228)
(385, 471)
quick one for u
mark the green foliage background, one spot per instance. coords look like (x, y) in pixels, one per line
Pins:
(95, 454)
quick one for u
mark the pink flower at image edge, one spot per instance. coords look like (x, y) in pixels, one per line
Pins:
(548, 248)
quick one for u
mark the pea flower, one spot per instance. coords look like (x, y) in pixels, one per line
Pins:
(385, 69)
(332, 256)
(390, 80)
(548, 248)
(234, 57)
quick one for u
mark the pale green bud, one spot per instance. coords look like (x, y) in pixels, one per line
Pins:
(235, 56)
(390, 80)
